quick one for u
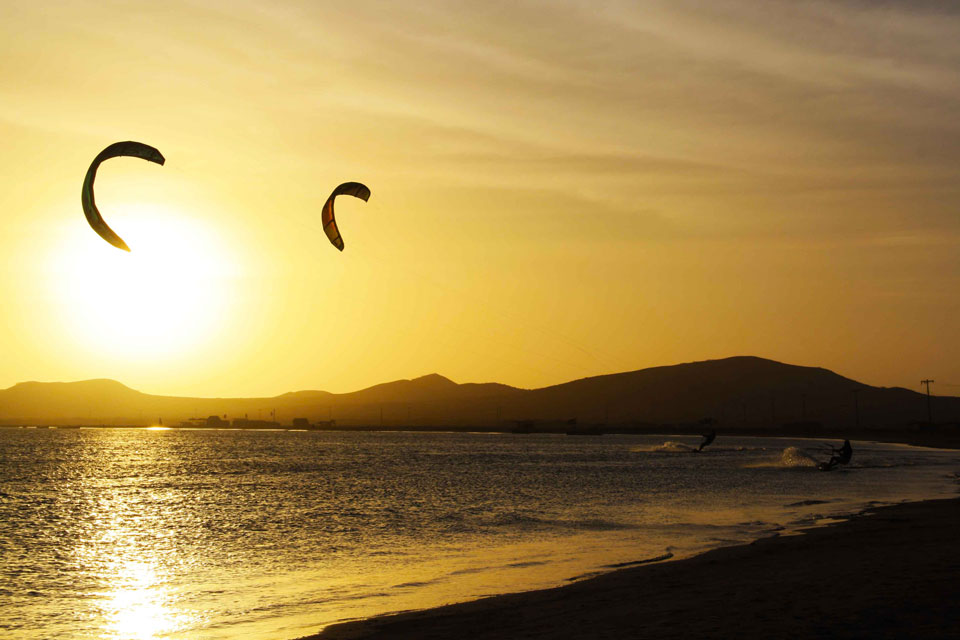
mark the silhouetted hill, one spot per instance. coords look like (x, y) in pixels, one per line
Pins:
(742, 392)
(55, 399)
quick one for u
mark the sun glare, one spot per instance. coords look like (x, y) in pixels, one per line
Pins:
(136, 607)
(164, 297)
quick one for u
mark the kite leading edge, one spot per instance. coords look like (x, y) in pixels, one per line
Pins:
(128, 148)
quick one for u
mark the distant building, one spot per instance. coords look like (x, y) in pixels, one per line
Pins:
(244, 423)
(522, 426)
(210, 422)
(303, 423)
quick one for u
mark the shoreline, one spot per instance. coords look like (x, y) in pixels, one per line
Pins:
(938, 437)
(886, 572)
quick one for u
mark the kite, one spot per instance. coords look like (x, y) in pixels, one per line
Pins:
(354, 189)
(129, 148)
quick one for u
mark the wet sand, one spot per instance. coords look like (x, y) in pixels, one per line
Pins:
(891, 573)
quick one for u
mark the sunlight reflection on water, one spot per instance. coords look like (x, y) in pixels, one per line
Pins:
(136, 605)
(124, 539)
(137, 534)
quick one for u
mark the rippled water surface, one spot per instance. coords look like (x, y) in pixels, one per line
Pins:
(213, 534)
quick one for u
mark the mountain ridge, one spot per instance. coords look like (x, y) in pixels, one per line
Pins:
(745, 390)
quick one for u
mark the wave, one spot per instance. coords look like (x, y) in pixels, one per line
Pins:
(632, 563)
(593, 524)
(790, 458)
(467, 521)
(807, 503)
(523, 565)
(674, 447)
(621, 565)
(671, 446)
(419, 583)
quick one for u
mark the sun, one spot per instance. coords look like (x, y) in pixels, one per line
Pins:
(167, 295)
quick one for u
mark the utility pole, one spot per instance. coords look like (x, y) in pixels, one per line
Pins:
(803, 407)
(856, 407)
(381, 416)
(929, 404)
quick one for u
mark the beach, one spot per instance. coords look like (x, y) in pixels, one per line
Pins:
(888, 573)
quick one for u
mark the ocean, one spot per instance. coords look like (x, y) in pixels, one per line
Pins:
(137, 534)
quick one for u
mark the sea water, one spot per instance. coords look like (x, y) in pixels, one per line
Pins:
(131, 533)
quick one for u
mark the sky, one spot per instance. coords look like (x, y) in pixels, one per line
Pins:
(560, 189)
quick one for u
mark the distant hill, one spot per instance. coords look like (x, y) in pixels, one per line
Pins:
(110, 402)
(746, 392)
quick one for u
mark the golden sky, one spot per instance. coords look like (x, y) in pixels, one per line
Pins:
(560, 189)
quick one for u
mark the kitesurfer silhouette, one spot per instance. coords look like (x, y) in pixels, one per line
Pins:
(840, 456)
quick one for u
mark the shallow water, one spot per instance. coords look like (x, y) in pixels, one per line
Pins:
(213, 534)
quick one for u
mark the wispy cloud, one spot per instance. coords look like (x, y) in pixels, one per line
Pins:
(773, 136)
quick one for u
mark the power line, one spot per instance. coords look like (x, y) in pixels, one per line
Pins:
(929, 402)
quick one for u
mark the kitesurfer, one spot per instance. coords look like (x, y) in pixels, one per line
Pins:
(707, 439)
(840, 456)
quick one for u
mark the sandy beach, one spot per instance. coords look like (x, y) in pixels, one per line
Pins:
(889, 573)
